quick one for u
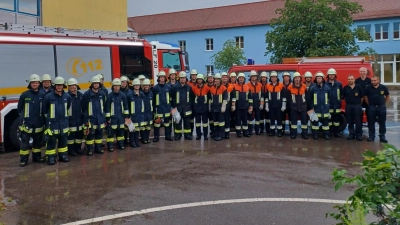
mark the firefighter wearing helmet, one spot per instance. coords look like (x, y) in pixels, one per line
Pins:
(148, 111)
(162, 107)
(227, 114)
(55, 108)
(319, 102)
(298, 106)
(258, 103)
(172, 77)
(32, 121)
(93, 102)
(210, 80)
(218, 103)
(200, 107)
(182, 99)
(232, 78)
(286, 113)
(264, 115)
(75, 118)
(116, 113)
(141, 78)
(192, 83)
(335, 101)
(126, 89)
(46, 83)
(242, 103)
(102, 87)
(276, 103)
(135, 98)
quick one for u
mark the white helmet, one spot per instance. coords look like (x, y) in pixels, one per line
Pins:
(146, 82)
(46, 77)
(95, 79)
(33, 77)
(171, 71)
(100, 75)
(233, 74)
(59, 80)
(273, 74)
(286, 74)
(200, 76)
(161, 73)
(241, 75)
(210, 75)
(141, 77)
(183, 74)
(136, 81)
(296, 74)
(308, 74)
(319, 74)
(124, 78)
(217, 76)
(253, 73)
(264, 74)
(224, 74)
(193, 72)
(331, 71)
(116, 82)
(72, 81)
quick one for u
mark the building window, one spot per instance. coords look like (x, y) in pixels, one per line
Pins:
(240, 42)
(209, 44)
(28, 6)
(210, 69)
(182, 45)
(367, 28)
(7, 4)
(396, 30)
(382, 31)
(25, 12)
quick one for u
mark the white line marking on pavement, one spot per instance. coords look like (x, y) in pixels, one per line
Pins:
(205, 203)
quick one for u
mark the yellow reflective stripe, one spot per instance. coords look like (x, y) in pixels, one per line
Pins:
(142, 106)
(51, 152)
(112, 109)
(132, 107)
(70, 111)
(98, 141)
(24, 152)
(37, 130)
(122, 107)
(326, 98)
(187, 96)
(40, 108)
(101, 106)
(237, 95)
(293, 98)
(219, 98)
(259, 96)
(195, 99)
(167, 98)
(107, 115)
(70, 142)
(177, 97)
(157, 99)
(52, 111)
(151, 105)
(269, 95)
(36, 150)
(121, 138)
(114, 126)
(26, 110)
(66, 109)
(279, 96)
(315, 99)
(338, 94)
(72, 129)
(90, 109)
(247, 95)
(110, 139)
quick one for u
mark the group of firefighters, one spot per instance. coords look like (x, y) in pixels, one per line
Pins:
(207, 104)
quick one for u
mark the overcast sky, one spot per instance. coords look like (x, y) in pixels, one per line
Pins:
(147, 7)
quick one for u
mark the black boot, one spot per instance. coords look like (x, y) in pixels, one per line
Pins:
(37, 157)
(178, 137)
(217, 137)
(336, 132)
(110, 147)
(250, 130)
(89, 150)
(71, 150)
(188, 136)
(246, 133)
(226, 135)
(238, 133)
(78, 148)
(262, 127)
(132, 139)
(198, 137)
(280, 132)
(326, 136)
(63, 157)
(304, 134)
(382, 138)
(137, 138)
(293, 135)
(120, 145)
(23, 160)
(315, 135)
(359, 137)
(51, 159)
(271, 132)
(147, 135)
(351, 137)
(98, 149)
(169, 138)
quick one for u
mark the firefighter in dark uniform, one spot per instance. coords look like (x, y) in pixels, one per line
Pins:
(232, 81)
(264, 115)
(200, 107)
(210, 83)
(276, 103)
(172, 77)
(182, 100)
(353, 95)
(32, 121)
(117, 112)
(364, 81)
(286, 82)
(126, 90)
(192, 83)
(309, 84)
(319, 99)
(258, 103)
(55, 108)
(242, 103)
(162, 107)
(335, 101)
(218, 103)
(93, 102)
(298, 106)
(148, 111)
(46, 84)
(227, 113)
(376, 96)
(75, 119)
(102, 87)
(136, 113)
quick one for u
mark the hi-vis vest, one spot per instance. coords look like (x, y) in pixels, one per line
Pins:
(55, 109)
(276, 95)
(297, 97)
(242, 96)
(218, 95)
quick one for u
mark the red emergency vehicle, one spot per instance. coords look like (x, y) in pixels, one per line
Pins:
(81, 54)
(344, 67)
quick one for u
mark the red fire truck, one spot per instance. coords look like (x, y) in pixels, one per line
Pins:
(344, 66)
(81, 54)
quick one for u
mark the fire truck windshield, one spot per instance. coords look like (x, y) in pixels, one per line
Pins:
(171, 60)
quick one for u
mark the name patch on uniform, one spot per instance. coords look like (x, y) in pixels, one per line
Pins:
(382, 92)
(27, 99)
(356, 94)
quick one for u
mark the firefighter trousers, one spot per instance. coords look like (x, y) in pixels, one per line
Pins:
(353, 113)
(61, 146)
(167, 127)
(294, 116)
(325, 126)
(376, 113)
(95, 137)
(254, 120)
(134, 137)
(227, 116)
(118, 132)
(285, 114)
(264, 122)
(201, 120)
(219, 124)
(335, 121)
(275, 115)
(75, 140)
(192, 119)
(36, 145)
(241, 121)
(186, 126)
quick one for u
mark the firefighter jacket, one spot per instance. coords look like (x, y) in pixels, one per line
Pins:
(75, 112)
(93, 108)
(242, 96)
(256, 93)
(297, 97)
(264, 91)
(182, 98)
(191, 84)
(229, 89)
(136, 108)
(44, 91)
(218, 95)
(285, 90)
(104, 89)
(55, 109)
(116, 109)
(276, 95)
(126, 91)
(172, 84)
(309, 97)
(320, 100)
(335, 96)
(200, 104)
(30, 110)
(161, 103)
(148, 107)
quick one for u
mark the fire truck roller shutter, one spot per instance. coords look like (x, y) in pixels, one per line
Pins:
(17, 62)
(83, 62)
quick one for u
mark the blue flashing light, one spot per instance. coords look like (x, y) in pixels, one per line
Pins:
(250, 62)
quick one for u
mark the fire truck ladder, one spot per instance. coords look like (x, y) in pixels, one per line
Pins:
(329, 59)
(61, 31)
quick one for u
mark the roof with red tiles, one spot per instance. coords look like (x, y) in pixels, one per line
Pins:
(249, 14)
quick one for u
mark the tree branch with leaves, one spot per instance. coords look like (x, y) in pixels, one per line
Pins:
(229, 55)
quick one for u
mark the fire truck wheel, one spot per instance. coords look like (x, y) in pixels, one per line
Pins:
(13, 134)
(343, 122)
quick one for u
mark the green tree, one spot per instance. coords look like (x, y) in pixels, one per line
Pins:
(315, 28)
(229, 55)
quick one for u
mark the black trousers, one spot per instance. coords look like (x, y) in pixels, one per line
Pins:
(227, 116)
(202, 119)
(36, 145)
(95, 137)
(285, 114)
(219, 124)
(61, 146)
(376, 113)
(241, 120)
(254, 120)
(75, 140)
(335, 119)
(264, 121)
(275, 114)
(325, 126)
(353, 113)
(294, 115)
(167, 127)
(185, 119)
(119, 133)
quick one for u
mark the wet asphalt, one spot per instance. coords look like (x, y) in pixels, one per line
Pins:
(169, 173)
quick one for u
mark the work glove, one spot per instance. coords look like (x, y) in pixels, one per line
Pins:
(233, 108)
(330, 116)
(47, 135)
(86, 129)
(283, 106)
(250, 110)
(261, 106)
(223, 107)
(266, 107)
